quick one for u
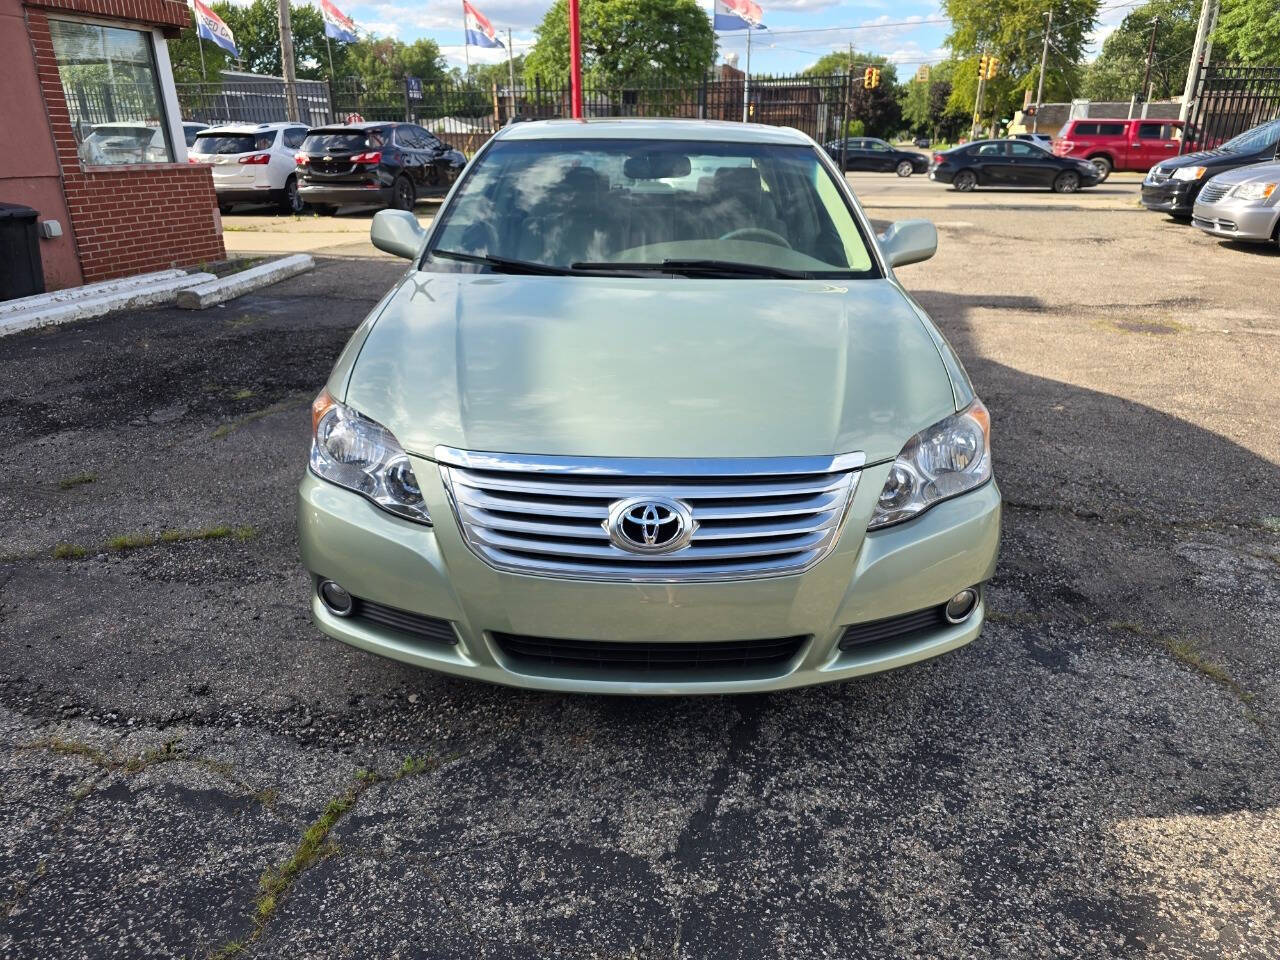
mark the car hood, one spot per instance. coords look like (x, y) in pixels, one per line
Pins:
(1211, 159)
(649, 367)
(1253, 171)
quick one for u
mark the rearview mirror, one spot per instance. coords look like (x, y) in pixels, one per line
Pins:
(909, 241)
(398, 232)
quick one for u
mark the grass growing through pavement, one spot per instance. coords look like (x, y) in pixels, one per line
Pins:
(287, 404)
(79, 480)
(278, 880)
(69, 551)
(126, 542)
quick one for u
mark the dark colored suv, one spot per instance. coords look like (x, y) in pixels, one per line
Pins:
(1172, 185)
(388, 164)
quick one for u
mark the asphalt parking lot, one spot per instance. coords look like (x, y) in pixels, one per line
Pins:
(189, 766)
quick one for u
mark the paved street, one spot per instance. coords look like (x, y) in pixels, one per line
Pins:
(190, 767)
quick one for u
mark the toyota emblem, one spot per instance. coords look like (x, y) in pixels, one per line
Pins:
(650, 525)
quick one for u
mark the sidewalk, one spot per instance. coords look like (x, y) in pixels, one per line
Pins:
(344, 235)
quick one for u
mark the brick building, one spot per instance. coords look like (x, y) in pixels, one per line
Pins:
(95, 139)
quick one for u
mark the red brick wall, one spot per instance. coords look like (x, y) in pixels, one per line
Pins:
(170, 15)
(127, 219)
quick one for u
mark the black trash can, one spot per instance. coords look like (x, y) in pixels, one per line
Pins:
(21, 273)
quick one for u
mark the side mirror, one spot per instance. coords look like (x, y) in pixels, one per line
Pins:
(398, 232)
(908, 241)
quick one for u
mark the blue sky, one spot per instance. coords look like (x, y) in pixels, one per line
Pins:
(800, 31)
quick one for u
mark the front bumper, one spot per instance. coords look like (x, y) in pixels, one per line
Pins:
(241, 194)
(1237, 219)
(431, 571)
(1177, 197)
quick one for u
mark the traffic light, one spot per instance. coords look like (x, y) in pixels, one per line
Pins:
(992, 65)
(1030, 110)
(875, 77)
(982, 66)
(868, 78)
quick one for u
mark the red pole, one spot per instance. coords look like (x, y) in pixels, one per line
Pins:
(575, 60)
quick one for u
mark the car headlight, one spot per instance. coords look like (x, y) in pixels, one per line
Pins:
(349, 449)
(948, 459)
(1253, 191)
(1189, 173)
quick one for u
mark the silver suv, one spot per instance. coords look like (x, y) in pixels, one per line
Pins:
(252, 163)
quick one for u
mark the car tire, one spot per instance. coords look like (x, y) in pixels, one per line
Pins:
(1067, 182)
(965, 181)
(906, 168)
(290, 200)
(1103, 166)
(402, 194)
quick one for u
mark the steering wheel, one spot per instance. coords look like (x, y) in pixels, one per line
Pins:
(759, 233)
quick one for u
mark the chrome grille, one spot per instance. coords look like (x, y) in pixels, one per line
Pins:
(1213, 192)
(547, 516)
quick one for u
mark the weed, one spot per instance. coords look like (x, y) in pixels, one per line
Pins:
(244, 394)
(131, 541)
(226, 429)
(69, 551)
(79, 480)
(413, 766)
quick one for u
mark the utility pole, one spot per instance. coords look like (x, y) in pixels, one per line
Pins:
(286, 63)
(511, 74)
(1199, 57)
(1044, 55)
(1151, 49)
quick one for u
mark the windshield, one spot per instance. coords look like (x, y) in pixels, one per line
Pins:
(341, 142)
(223, 143)
(590, 204)
(1256, 139)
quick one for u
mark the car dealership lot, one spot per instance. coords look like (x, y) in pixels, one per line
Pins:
(1096, 776)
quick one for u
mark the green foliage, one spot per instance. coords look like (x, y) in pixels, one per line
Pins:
(485, 75)
(257, 32)
(625, 41)
(1248, 33)
(879, 109)
(1118, 71)
(855, 128)
(1013, 31)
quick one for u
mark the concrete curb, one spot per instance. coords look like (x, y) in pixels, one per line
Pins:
(85, 308)
(217, 291)
(87, 292)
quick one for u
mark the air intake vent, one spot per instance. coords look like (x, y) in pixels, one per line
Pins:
(421, 626)
(641, 658)
(860, 634)
(1213, 192)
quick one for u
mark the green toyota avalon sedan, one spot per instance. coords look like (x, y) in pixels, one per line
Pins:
(650, 413)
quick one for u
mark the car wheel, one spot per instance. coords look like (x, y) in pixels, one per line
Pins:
(1103, 166)
(402, 197)
(1067, 182)
(965, 181)
(291, 199)
(905, 169)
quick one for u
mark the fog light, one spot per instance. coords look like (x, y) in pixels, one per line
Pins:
(961, 605)
(338, 602)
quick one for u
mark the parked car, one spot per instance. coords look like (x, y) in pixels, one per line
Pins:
(1241, 204)
(1118, 144)
(877, 156)
(252, 163)
(124, 142)
(923, 142)
(1010, 163)
(1042, 140)
(691, 440)
(1172, 186)
(189, 130)
(389, 164)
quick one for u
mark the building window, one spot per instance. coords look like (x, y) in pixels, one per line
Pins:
(112, 90)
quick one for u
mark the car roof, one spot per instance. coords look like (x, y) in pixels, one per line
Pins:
(250, 127)
(655, 128)
(350, 127)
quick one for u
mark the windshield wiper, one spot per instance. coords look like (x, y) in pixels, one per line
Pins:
(697, 268)
(502, 264)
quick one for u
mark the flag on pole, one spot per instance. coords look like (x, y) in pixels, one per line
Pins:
(209, 26)
(480, 32)
(336, 23)
(738, 15)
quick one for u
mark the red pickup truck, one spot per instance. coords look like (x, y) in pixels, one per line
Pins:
(1118, 144)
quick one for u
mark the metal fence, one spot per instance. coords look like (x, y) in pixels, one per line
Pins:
(467, 114)
(1232, 100)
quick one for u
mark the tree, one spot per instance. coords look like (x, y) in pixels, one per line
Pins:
(1118, 71)
(877, 108)
(625, 41)
(926, 109)
(384, 61)
(1013, 32)
(1248, 33)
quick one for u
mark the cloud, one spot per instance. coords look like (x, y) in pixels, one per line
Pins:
(521, 15)
(457, 54)
(381, 28)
